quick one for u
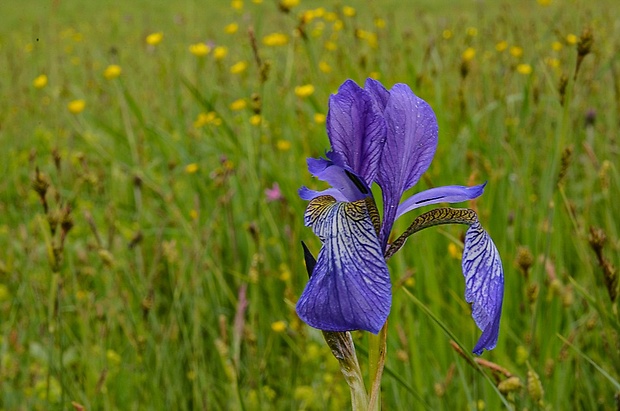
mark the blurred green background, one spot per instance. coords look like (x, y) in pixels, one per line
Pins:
(150, 226)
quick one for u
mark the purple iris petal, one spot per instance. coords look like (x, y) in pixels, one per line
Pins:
(341, 178)
(350, 286)
(484, 284)
(445, 194)
(408, 151)
(307, 194)
(356, 129)
(379, 94)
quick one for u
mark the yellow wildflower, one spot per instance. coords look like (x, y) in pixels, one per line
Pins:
(191, 168)
(516, 51)
(331, 16)
(556, 46)
(231, 28)
(552, 62)
(40, 81)
(544, 2)
(278, 326)
(446, 34)
(369, 36)
(199, 49)
(113, 357)
(454, 252)
(324, 66)
(374, 75)
(4, 292)
(283, 145)
(348, 11)
(524, 69)
(275, 39)
(237, 4)
(209, 118)
(571, 39)
(501, 46)
(469, 54)
(76, 106)
(239, 67)
(304, 91)
(288, 4)
(193, 214)
(472, 31)
(257, 1)
(330, 45)
(319, 118)
(338, 25)
(239, 104)
(220, 52)
(255, 120)
(112, 71)
(379, 23)
(154, 39)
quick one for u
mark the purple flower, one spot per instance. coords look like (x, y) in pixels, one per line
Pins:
(388, 138)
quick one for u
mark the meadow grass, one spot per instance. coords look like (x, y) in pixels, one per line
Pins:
(143, 265)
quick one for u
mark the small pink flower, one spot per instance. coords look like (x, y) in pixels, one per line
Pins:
(273, 193)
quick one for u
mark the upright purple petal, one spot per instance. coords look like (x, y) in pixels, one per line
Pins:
(445, 194)
(484, 285)
(408, 151)
(356, 129)
(350, 285)
(379, 94)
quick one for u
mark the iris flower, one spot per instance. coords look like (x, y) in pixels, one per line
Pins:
(388, 138)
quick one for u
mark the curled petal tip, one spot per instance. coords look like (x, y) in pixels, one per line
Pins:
(484, 284)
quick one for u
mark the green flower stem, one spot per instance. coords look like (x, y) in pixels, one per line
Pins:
(343, 349)
(376, 359)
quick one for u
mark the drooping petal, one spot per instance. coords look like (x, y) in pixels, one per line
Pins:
(350, 285)
(445, 194)
(408, 151)
(484, 284)
(350, 186)
(356, 129)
